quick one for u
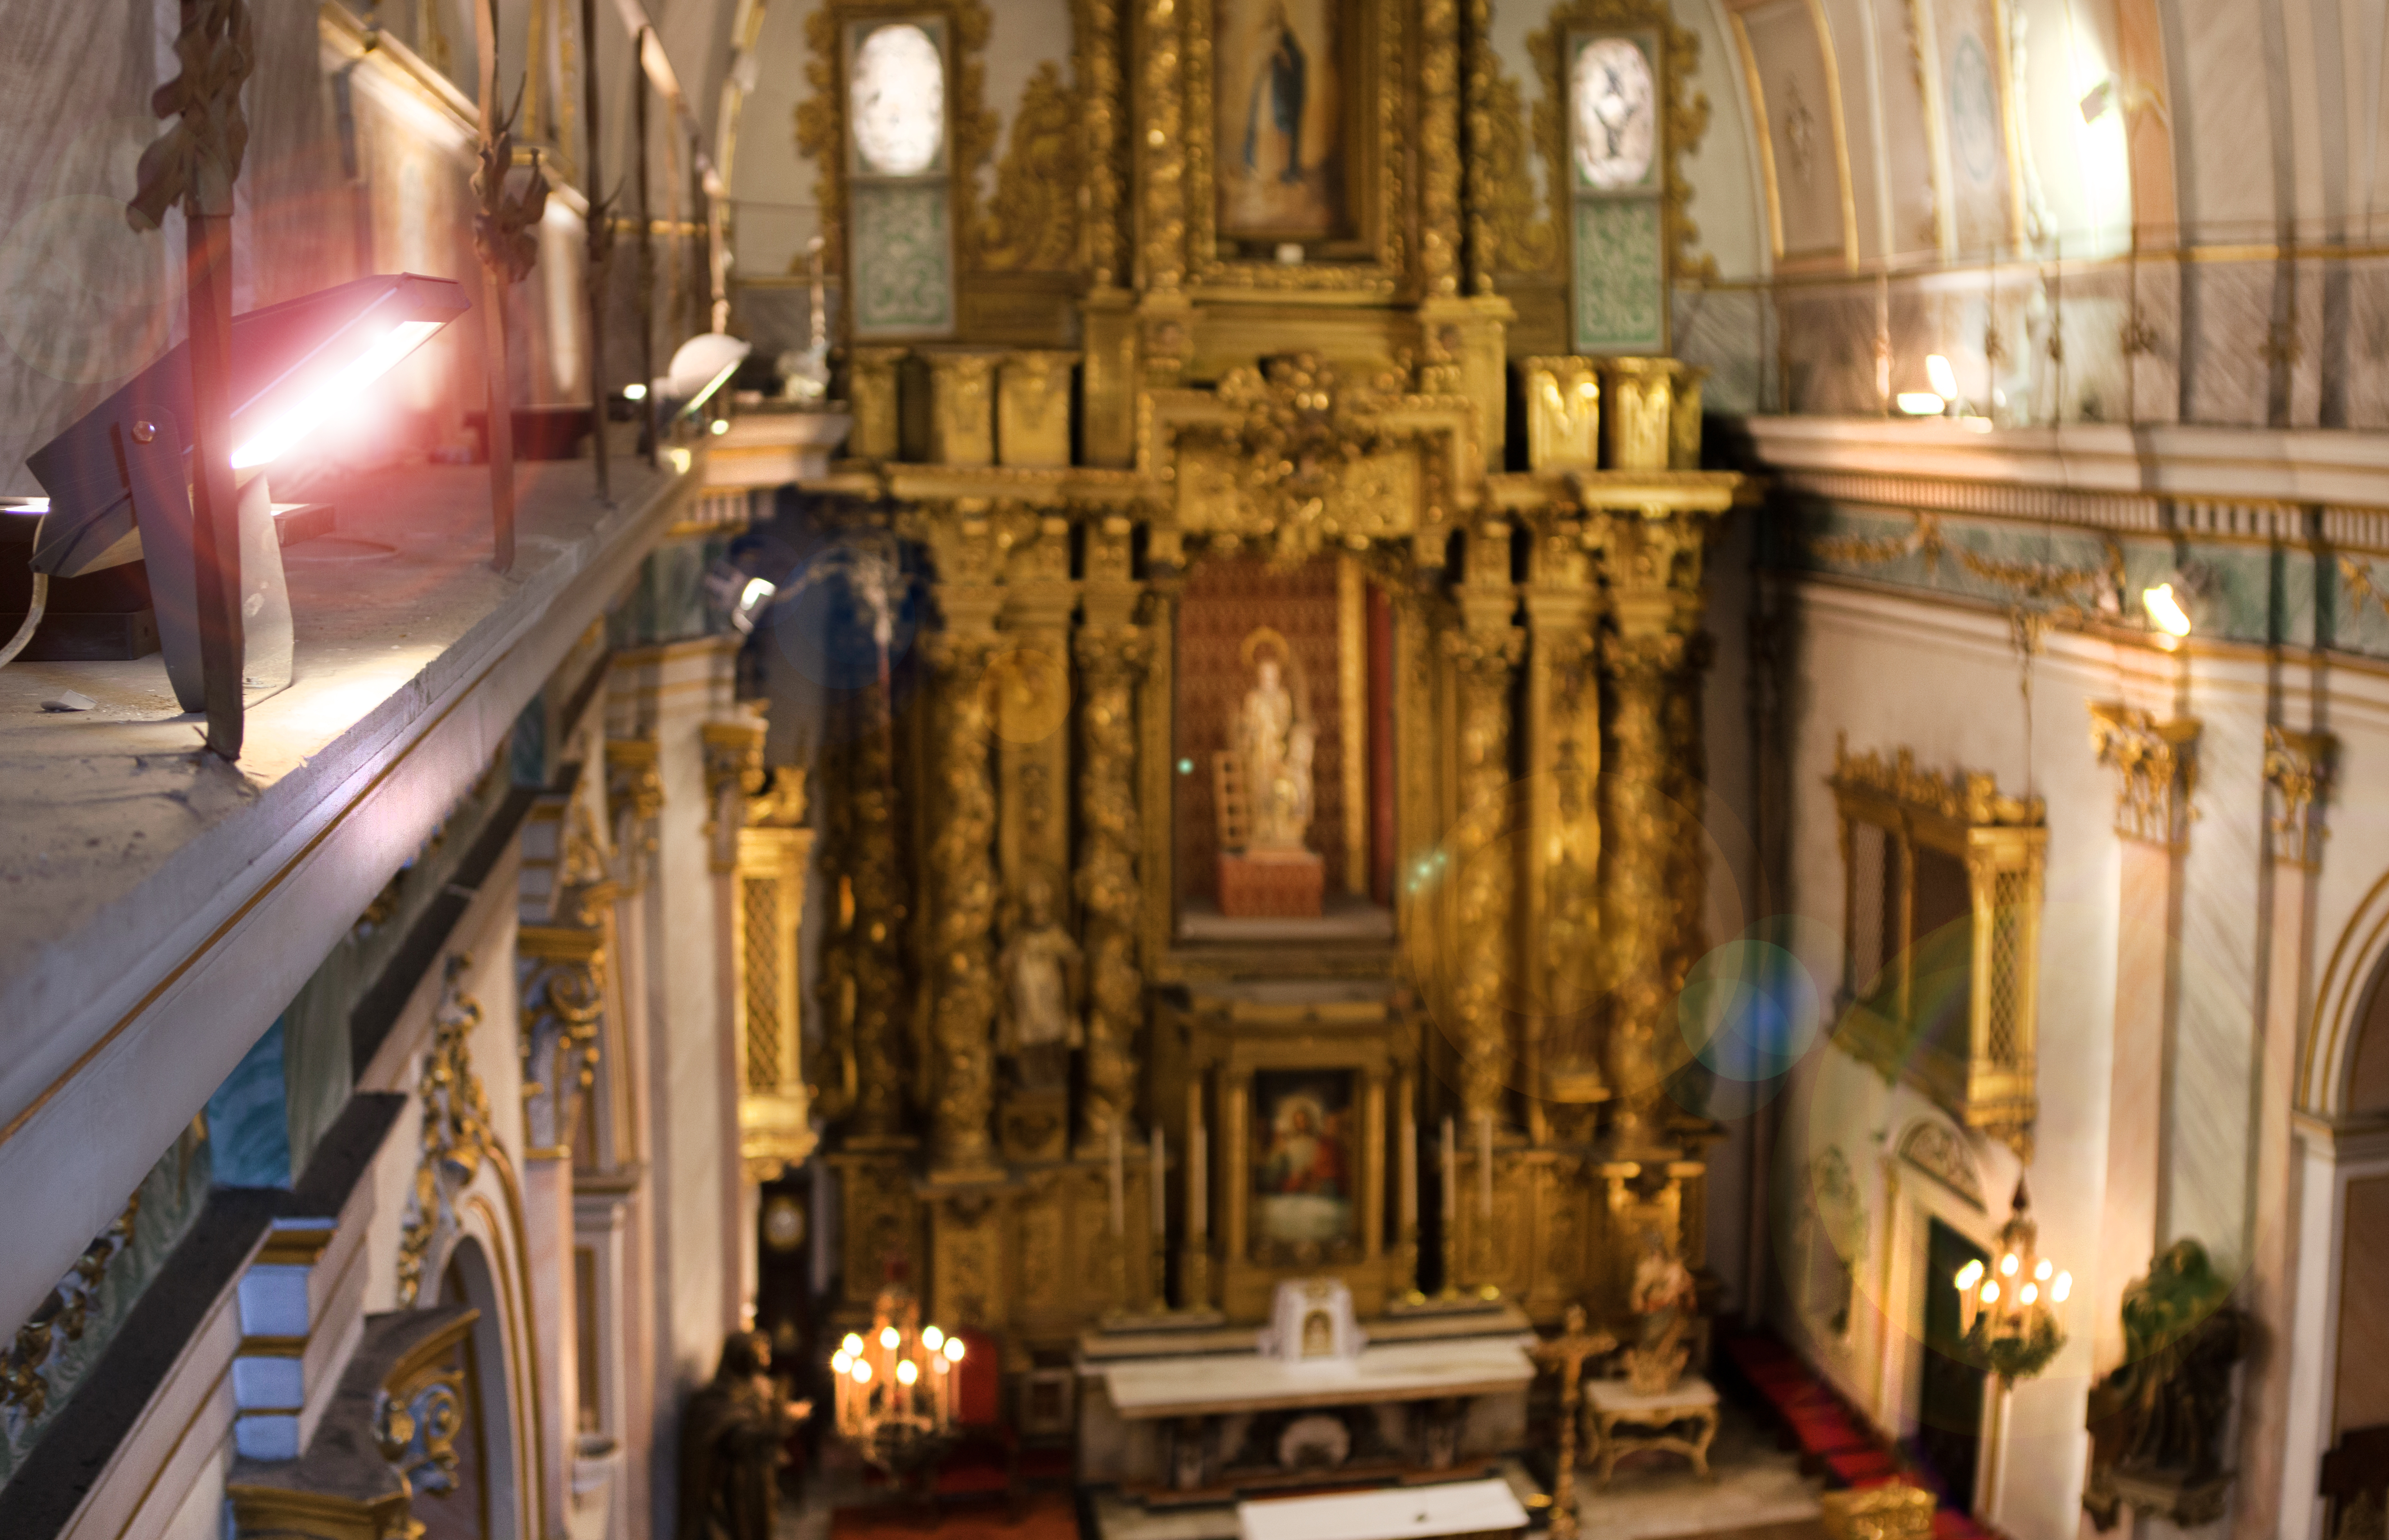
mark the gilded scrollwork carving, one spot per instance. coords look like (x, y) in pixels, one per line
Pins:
(417, 1423)
(1162, 95)
(457, 1136)
(1438, 145)
(2298, 767)
(1510, 229)
(1097, 67)
(1299, 457)
(1111, 663)
(961, 855)
(1032, 220)
(560, 971)
(1687, 118)
(2158, 763)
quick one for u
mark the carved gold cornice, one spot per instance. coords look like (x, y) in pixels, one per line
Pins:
(2298, 767)
(457, 1136)
(1963, 796)
(2158, 762)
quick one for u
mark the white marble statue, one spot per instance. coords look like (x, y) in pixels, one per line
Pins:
(1040, 968)
(1275, 741)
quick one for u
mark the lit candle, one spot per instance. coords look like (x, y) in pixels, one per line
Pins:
(1119, 1185)
(1485, 1160)
(1160, 1196)
(1409, 1178)
(1198, 1184)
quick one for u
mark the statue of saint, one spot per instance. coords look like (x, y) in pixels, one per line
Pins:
(732, 1442)
(1275, 741)
(1664, 1298)
(1041, 969)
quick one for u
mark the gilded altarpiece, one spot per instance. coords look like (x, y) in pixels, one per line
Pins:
(1520, 655)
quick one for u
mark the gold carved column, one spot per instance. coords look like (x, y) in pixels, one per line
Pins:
(1032, 687)
(1484, 651)
(1113, 653)
(1560, 926)
(1652, 547)
(961, 817)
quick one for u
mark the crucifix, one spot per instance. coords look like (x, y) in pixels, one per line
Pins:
(1565, 1354)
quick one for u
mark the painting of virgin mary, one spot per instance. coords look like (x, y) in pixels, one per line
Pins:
(1277, 119)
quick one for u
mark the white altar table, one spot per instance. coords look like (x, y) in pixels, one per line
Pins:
(1485, 1507)
(1211, 1384)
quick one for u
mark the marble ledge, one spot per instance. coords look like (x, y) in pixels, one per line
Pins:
(2284, 464)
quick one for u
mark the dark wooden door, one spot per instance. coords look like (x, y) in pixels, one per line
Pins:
(1949, 1437)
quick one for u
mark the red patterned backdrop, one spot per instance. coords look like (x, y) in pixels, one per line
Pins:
(1224, 602)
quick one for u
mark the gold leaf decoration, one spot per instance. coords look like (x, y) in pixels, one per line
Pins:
(1522, 237)
(1032, 222)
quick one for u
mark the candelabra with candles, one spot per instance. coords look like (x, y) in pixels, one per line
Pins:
(2006, 1305)
(896, 1386)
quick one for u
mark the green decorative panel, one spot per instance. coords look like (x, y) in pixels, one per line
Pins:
(1621, 291)
(904, 261)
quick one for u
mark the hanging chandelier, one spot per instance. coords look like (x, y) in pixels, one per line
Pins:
(2006, 1306)
(896, 1386)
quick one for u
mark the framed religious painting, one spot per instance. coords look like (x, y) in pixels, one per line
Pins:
(1295, 127)
(1305, 1175)
(1279, 134)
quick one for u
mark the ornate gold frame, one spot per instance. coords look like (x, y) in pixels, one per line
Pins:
(820, 123)
(1684, 119)
(2002, 841)
(1231, 1037)
(1377, 184)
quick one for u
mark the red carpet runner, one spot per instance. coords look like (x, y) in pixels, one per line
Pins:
(1830, 1433)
